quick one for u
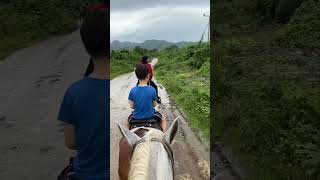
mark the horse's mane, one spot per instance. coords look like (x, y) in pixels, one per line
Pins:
(142, 156)
(140, 162)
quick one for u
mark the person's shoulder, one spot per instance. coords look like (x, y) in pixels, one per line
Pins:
(150, 88)
(75, 86)
(134, 89)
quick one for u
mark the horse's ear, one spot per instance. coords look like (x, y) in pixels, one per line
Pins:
(172, 131)
(131, 137)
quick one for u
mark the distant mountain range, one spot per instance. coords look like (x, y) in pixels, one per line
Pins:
(148, 44)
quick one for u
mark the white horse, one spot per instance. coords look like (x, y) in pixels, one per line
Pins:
(152, 158)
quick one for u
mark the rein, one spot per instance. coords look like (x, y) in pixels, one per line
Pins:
(165, 145)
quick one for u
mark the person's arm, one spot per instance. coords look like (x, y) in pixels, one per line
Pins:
(66, 116)
(154, 97)
(70, 137)
(131, 104)
(154, 103)
(130, 99)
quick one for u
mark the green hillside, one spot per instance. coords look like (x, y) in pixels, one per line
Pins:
(24, 22)
(267, 81)
(148, 44)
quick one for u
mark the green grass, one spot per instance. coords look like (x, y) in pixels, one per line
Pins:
(267, 84)
(124, 61)
(185, 74)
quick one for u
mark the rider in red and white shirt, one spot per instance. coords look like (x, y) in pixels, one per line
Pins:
(151, 83)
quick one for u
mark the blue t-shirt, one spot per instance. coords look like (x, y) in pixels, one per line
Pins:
(143, 97)
(86, 106)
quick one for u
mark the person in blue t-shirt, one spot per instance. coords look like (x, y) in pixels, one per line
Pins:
(85, 106)
(143, 99)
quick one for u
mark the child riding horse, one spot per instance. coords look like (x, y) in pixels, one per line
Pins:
(142, 99)
(150, 82)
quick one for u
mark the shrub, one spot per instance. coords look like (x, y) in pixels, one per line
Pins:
(284, 10)
(303, 29)
(24, 21)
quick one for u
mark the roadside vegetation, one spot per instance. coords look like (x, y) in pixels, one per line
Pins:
(267, 83)
(124, 60)
(185, 73)
(24, 22)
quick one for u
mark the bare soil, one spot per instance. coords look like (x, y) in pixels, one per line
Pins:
(33, 82)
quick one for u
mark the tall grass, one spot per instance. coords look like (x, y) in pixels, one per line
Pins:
(267, 86)
(185, 72)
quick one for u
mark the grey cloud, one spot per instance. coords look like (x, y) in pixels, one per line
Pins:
(179, 29)
(118, 5)
(171, 20)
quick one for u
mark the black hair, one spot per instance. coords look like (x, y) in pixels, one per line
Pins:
(90, 68)
(141, 71)
(95, 31)
(145, 60)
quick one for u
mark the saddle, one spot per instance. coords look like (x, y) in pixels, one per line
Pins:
(150, 123)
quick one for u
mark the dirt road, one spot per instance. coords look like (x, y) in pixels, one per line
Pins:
(33, 81)
(192, 159)
(224, 166)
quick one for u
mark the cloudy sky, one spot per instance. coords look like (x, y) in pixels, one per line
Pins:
(171, 20)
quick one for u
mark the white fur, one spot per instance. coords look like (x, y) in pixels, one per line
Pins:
(150, 160)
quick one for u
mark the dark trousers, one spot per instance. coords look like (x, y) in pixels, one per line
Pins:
(157, 116)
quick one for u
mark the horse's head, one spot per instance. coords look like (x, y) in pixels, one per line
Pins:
(152, 155)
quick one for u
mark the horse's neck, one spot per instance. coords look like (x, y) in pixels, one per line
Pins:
(155, 164)
(160, 163)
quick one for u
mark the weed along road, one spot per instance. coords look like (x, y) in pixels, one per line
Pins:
(191, 158)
